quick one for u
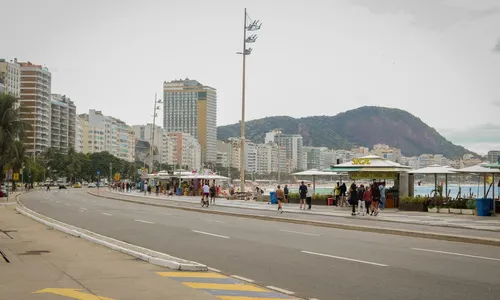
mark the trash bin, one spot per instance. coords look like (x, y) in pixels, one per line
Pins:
(330, 201)
(484, 206)
(273, 197)
(179, 191)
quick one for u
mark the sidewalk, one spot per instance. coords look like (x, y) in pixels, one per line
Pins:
(47, 264)
(388, 215)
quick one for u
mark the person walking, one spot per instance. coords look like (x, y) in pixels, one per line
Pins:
(343, 190)
(375, 199)
(281, 196)
(361, 202)
(206, 192)
(336, 192)
(309, 196)
(303, 195)
(213, 192)
(285, 191)
(383, 191)
(353, 197)
(367, 197)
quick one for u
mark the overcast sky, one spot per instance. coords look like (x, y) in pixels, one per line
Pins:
(437, 59)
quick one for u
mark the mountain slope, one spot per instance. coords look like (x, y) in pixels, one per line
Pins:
(364, 126)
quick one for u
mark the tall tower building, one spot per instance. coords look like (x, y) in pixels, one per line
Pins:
(63, 119)
(35, 106)
(191, 107)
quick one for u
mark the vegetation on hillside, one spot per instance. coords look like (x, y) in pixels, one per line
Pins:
(364, 126)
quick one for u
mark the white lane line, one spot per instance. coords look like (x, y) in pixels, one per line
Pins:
(83, 208)
(58, 202)
(142, 221)
(243, 278)
(458, 254)
(279, 290)
(298, 232)
(67, 204)
(166, 214)
(345, 258)
(216, 221)
(106, 214)
(214, 270)
(212, 234)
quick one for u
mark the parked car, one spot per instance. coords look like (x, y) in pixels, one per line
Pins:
(92, 185)
(77, 185)
(4, 190)
(62, 187)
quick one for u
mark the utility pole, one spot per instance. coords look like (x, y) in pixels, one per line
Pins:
(110, 172)
(153, 129)
(252, 26)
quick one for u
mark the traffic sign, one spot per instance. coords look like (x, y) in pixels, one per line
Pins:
(16, 176)
(117, 177)
(98, 172)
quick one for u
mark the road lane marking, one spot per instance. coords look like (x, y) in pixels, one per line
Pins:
(106, 214)
(243, 278)
(280, 290)
(458, 254)
(212, 234)
(345, 258)
(72, 293)
(58, 202)
(191, 274)
(142, 221)
(67, 204)
(214, 270)
(224, 286)
(216, 221)
(298, 232)
(83, 208)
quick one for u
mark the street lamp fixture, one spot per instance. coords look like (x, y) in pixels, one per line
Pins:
(249, 25)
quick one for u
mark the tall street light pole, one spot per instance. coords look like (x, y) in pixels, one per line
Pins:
(249, 25)
(153, 129)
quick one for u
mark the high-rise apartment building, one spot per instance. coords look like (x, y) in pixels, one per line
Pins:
(78, 135)
(160, 144)
(10, 77)
(191, 107)
(35, 106)
(105, 133)
(293, 143)
(62, 119)
(186, 151)
(493, 156)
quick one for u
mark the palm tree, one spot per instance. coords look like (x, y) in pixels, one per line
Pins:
(16, 159)
(73, 165)
(11, 129)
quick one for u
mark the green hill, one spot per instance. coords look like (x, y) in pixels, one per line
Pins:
(364, 126)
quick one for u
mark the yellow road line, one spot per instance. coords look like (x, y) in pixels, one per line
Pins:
(191, 275)
(225, 287)
(245, 298)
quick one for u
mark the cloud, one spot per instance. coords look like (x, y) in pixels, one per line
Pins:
(481, 138)
(496, 103)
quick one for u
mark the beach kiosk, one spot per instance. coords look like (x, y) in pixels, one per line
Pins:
(373, 167)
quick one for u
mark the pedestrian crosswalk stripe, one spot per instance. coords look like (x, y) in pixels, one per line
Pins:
(192, 274)
(225, 287)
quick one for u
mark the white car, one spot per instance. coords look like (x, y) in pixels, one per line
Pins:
(92, 185)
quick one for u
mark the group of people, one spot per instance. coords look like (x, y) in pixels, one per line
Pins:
(370, 198)
(305, 194)
(208, 191)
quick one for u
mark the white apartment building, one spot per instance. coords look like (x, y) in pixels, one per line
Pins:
(186, 151)
(191, 107)
(35, 106)
(160, 142)
(270, 157)
(493, 156)
(105, 133)
(10, 77)
(62, 119)
(293, 143)
(250, 155)
(78, 135)
(223, 155)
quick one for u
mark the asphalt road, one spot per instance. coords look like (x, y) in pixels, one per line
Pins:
(313, 262)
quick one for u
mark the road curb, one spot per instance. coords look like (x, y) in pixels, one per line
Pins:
(175, 263)
(400, 232)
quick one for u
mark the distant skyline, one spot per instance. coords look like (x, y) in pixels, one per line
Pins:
(437, 59)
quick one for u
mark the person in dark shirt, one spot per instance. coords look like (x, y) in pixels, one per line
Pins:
(285, 190)
(353, 198)
(303, 195)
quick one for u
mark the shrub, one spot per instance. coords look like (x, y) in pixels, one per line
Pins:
(414, 200)
(293, 196)
(471, 204)
(321, 197)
